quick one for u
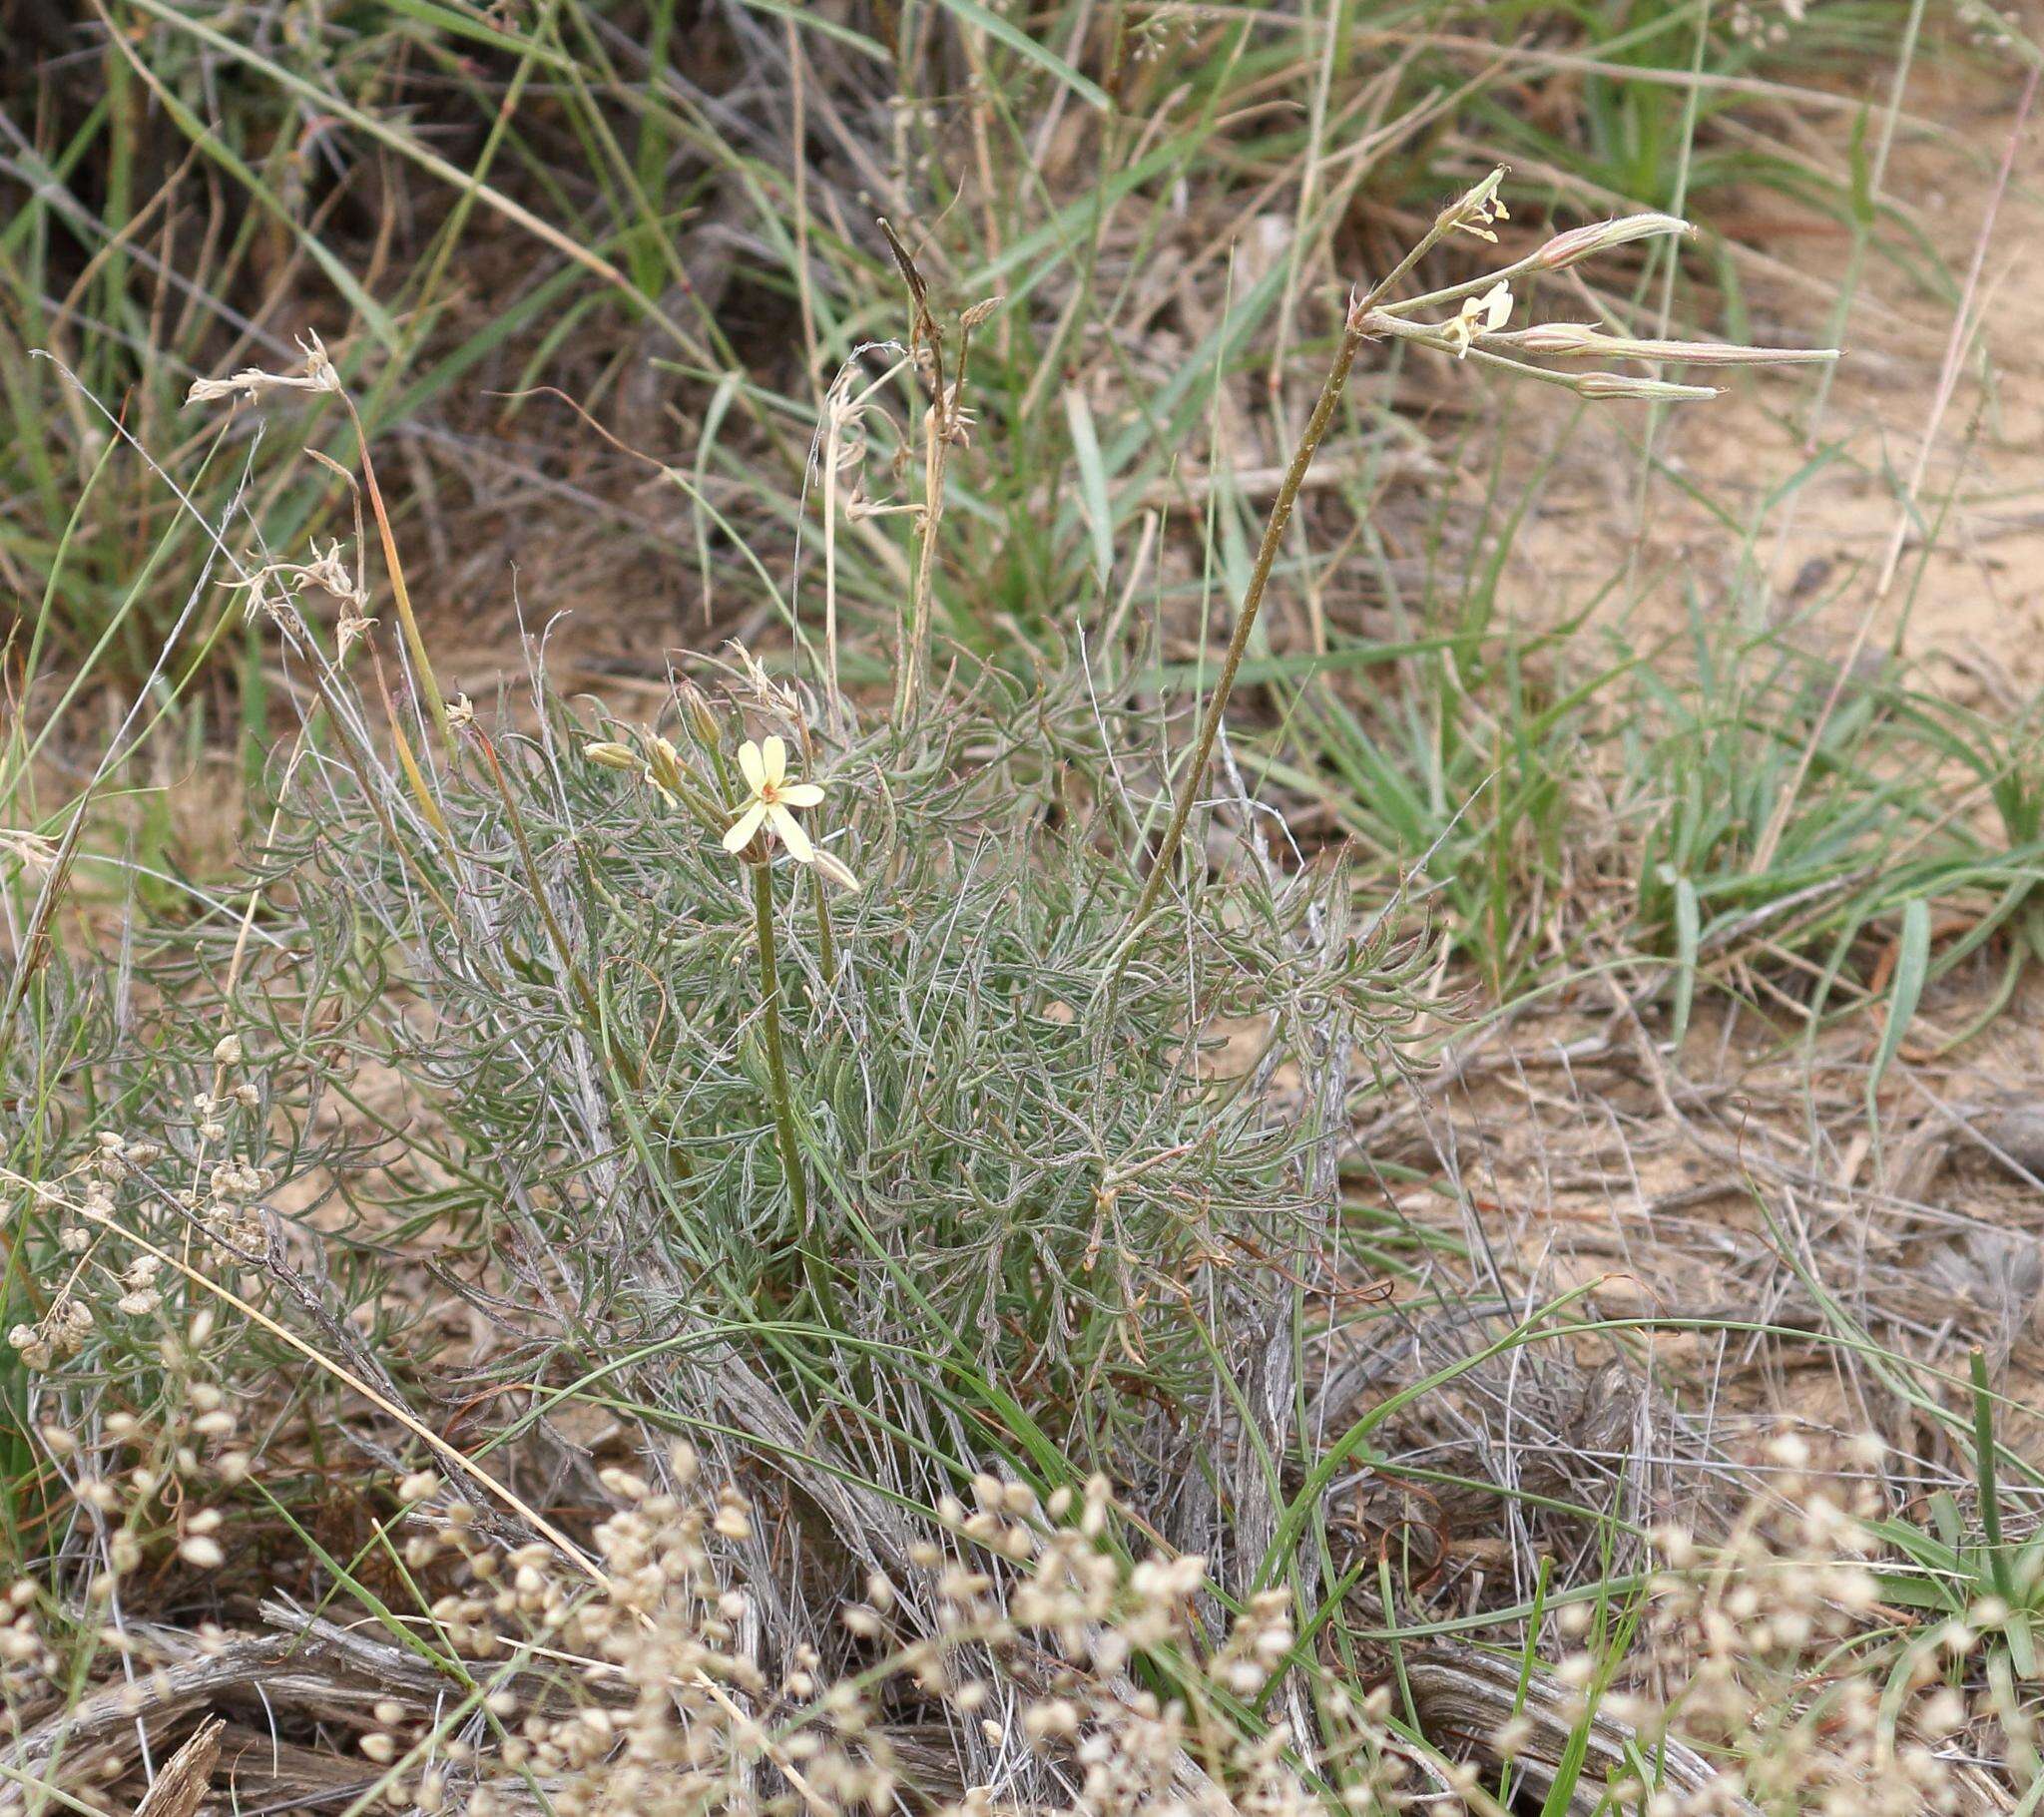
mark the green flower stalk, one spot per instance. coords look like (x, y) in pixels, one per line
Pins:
(766, 816)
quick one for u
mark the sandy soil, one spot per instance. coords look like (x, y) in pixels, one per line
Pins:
(1934, 419)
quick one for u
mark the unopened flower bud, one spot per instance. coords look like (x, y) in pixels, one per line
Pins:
(1568, 340)
(702, 721)
(664, 765)
(1601, 236)
(835, 869)
(1620, 384)
(612, 756)
(1558, 337)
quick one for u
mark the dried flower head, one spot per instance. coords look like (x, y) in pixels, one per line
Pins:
(319, 375)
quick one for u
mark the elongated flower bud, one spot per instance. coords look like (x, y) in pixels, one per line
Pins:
(1578, 340)
(612, 756)
(1623, 384)
(1558, 338)
(835, 869)
(1601, 236)
(702, 721)
(664, 767)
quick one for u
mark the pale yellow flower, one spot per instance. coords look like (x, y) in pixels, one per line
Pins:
(773, 796)
(1478, 218)
(1484, 314)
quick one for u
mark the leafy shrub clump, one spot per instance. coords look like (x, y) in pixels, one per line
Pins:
(967, 1128)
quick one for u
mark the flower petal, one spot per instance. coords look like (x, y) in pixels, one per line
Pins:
(773, 753)
(753, 765)
(802, 795)
(791, 834)
(745, 826)
(1497, 307)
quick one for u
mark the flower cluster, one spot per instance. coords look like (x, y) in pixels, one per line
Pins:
(1483, 308)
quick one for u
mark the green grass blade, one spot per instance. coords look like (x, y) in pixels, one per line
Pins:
(1913, 965)
(1026, 47)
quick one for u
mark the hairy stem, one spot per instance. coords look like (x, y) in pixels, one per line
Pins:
(917, 640)
(1352, 337)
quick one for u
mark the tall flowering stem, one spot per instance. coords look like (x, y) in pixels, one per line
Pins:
(776, 1065)
(1486, 305)
(814, 1267)
(1356, 328)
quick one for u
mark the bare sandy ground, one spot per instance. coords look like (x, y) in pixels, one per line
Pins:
(1933, 423)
